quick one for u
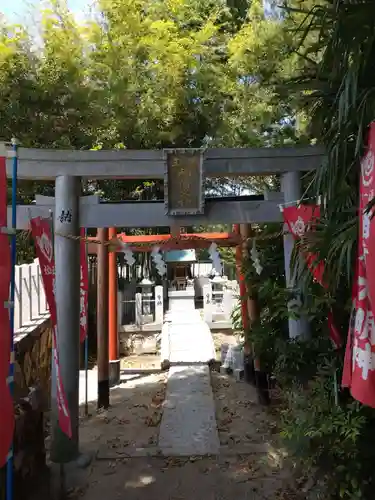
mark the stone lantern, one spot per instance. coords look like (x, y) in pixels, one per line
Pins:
(218, 284)
(146, 291)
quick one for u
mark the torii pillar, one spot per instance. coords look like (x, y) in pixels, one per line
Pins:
(102, 320)
(298, 327)
(67, 275)
(241, 280)
(67, 203)
(114, 355)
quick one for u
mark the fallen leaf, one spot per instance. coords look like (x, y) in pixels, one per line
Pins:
(226, 421)
(153, 420)
(109, 472)
(76, 492)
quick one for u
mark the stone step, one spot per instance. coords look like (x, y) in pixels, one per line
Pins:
(185, 337)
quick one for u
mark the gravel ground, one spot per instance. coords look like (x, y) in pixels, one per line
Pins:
(141, 362)
(250, 465)
(222, 478)
(248, 432)
(240, 419)
(224, 337)
(133, 419)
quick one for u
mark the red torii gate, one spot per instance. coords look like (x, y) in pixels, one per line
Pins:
(107, 295)
(184, 241)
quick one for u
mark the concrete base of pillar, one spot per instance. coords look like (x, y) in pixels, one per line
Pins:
(103, 394)
(262, 388)
(165, 365)
(238, 375)
(68, 476)
(63, 450)
(114, 372)
(83, 460)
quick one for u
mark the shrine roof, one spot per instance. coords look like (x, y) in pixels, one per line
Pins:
(188, 255)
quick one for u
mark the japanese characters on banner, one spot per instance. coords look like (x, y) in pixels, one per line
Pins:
(84, 290)
(6, 402)
(41, 231)
(359, 367)
(299, 219)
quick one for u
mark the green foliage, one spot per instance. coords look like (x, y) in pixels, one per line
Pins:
(272, 324)
(329, 436)
(335, 88)
(326, 432)
(337, 92)
(146, 74)
(323, 427)
(237, 319)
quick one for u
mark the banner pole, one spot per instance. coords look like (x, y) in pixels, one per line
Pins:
(86, 346)
(9, 473)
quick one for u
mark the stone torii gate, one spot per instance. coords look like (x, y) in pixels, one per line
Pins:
(184, 173)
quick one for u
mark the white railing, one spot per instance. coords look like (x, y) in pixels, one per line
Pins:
(30, 300)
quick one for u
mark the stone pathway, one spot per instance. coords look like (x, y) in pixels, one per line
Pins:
(186, 338)
(188, 425)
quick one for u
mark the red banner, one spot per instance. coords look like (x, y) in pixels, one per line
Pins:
(41, 231)
(359, 369)
(6, 402)
(367, 222)
(347, 373)
(300, 219)
(84, 290)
